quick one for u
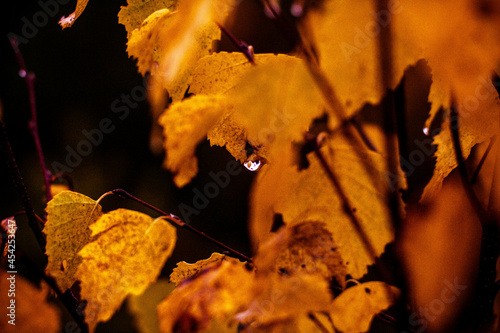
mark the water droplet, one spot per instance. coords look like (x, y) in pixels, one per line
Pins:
(426, 130)
(252, 165)
(22, 73)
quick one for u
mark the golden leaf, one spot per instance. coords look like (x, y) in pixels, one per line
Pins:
(306, 247)
(67, 22)
(459, 39)
(309, 195)
(276, 101)
(439, 248)
(68, 216)
(185, 271)
(31, 311)
(278, 298)
(127, 256)
(353, 310)
(136, 12)
(185, 124)
(218, 293)
(143, 307)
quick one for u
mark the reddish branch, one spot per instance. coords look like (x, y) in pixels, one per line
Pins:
(33, 124)
(176, 220)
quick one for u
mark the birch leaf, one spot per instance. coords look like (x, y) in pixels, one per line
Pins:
(185, 271)
(216, 294)
(69, 215)
(136, 12)
(308, 195)
(143, 307)
(67, 22)
(185, 124)
(32, 312)
(129, 252)
(353, 310)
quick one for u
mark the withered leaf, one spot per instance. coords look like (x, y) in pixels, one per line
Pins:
(185, 124)
(127, 255)
(218, 293)
(185, 271)
(69, 215)
(136, 12)
(353, 310)
(30, 311)
(309, 195)
(67, 22)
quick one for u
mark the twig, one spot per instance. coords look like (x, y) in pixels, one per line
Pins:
(33, 124)
(174, 219)
(246, 49)
(20, 187)
(481, 162)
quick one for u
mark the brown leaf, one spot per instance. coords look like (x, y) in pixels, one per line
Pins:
(439, 248)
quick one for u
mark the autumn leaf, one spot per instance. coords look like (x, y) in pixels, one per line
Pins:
(303, 248)
(127, 255)
(459, 40)
(31, 312)
(69, 215)
(308, 195)
(279, 298)
(216, 294)
(185, 124)
(67, 22)
(136, 12)
(288, 101)
(439, 248)
(185, 271)
(353, 310)
(143, 307)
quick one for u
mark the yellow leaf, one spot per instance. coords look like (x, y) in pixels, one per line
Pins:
(353, 310)
(127, 256)
(218, 73)
(439, 247)
(306, 247)
(67, 22)
(279, 298)
(143, 307)
(308, 195)
(459, 39)
(185, 271)
(218, 293)
(68, 216)
(135, 13)
(31, 311)
(226, 133)
(143, 41)
(276, 101)
(185, 124)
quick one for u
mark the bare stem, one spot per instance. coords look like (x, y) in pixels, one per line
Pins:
(246, 49)
(175, 219)
(33, 124)
(20, 187)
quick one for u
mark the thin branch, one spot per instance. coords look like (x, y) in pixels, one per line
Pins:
(391, 119)
(175, 219)
(461, 165)
(246, 49)
(481, 162)
(33, 124)
(20, 187)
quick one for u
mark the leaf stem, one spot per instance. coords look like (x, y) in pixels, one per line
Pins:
(175, 219)
(246, 49)
(20, 186)
(33, 124)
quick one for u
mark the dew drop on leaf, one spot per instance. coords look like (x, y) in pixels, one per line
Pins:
(252, 165)
(426, 130)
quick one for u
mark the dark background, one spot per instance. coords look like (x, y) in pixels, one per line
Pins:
(79, 72)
